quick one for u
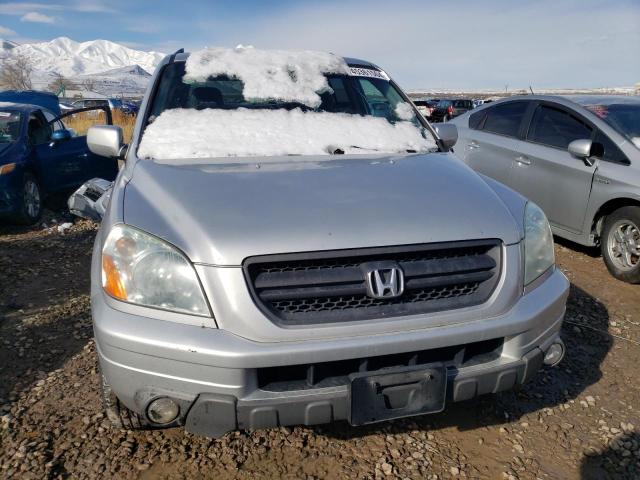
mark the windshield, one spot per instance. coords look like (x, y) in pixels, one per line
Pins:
(289, 127)
(10, 122)
(443, 104)
(625, 118)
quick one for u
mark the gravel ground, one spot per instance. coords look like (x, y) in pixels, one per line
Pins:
(579, 420)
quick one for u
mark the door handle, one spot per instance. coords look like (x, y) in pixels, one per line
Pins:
(522, 160)
(473, 145)
(83, 155)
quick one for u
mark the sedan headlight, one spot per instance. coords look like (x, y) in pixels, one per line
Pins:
(142, 269)
(538, 243)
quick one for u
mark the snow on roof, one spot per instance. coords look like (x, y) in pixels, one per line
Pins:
(284, 75)
(210, 133)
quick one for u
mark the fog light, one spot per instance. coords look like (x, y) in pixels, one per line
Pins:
(554, 354)
(163, 410)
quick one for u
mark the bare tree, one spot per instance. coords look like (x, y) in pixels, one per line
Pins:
(15, 73)
(59, 84)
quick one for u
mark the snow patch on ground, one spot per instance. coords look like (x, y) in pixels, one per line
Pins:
(64, 227)
(284, 75)
(210, 133)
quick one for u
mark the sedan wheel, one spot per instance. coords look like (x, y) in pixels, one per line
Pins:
(624, 245)
(621, 244)
(31, 198)
(31, 208)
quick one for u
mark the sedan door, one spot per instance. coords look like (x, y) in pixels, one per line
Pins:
(93, 166)
(544, 170)
(58, 167)
(491, 142)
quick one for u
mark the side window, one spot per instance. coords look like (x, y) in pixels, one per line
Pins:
(377, 103)
(38, 131)
(55, 125)
(605, 149)
(505, 118)
(556, 128)
(475, 119)
(380, 97)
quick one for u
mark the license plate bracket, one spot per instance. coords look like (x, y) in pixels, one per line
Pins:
(397, 393)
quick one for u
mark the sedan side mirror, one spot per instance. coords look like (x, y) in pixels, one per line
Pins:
(60, 136)
(582, 149)
(106, 141)
(448, 133)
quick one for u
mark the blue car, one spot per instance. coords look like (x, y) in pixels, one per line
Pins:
(39, 156)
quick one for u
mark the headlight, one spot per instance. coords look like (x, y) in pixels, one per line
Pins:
(142, 269)
(538, 243)
(7, 168)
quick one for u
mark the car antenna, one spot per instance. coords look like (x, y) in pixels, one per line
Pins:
(531, 90)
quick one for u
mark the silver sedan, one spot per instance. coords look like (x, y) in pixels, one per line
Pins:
(577, 157)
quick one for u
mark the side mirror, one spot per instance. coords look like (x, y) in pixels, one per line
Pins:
(581, 149)
(448, 133)
(60, 136)
(106, 141)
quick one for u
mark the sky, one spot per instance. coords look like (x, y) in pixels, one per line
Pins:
(464, 44)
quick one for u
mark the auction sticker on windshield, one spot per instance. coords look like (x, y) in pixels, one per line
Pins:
(367, 72)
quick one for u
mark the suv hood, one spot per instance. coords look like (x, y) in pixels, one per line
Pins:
(220, 214)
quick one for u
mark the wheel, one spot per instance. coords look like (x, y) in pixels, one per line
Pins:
(620, 243)
(31, 206)
(119, 415)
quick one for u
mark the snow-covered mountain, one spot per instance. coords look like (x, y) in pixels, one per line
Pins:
(64, 56)
(7, 45)
(108, 63)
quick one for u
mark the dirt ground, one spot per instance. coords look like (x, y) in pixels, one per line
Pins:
(578, 420)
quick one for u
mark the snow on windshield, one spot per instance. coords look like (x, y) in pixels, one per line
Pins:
(189, 133)
(284, 75)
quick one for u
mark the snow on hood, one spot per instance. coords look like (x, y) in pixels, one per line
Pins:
(188, 133)
(285, 75)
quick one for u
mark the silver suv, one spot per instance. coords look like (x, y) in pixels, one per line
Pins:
(363, 283)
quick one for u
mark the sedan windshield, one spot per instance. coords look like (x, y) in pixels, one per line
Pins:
(625, 118)
(10, 121)
(213, 118)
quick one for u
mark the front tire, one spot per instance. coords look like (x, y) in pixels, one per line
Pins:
(30, 209)
(119, 415)
(620, 244)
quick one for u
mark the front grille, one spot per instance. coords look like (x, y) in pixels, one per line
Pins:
(323, 287)
(330, 374)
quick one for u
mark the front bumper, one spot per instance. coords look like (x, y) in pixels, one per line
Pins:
(214, 375)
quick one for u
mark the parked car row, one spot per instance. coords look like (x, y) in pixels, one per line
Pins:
(443, 110)
(126, 107)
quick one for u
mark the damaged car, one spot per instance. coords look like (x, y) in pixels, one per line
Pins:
(39, 156)
(290, 242)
